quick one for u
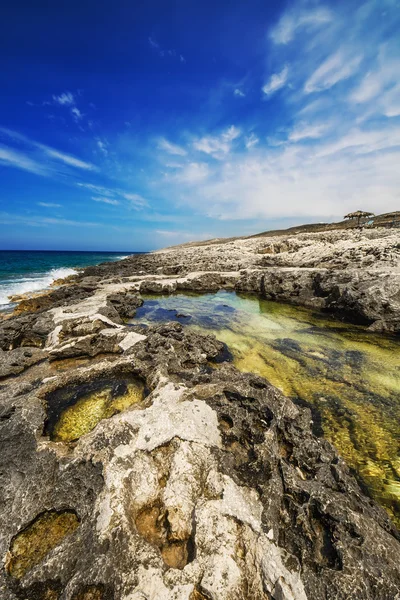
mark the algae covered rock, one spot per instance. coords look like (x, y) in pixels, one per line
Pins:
(30, 546)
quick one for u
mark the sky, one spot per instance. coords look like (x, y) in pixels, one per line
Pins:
(132, 126)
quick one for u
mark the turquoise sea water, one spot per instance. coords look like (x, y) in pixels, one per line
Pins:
(24, 271)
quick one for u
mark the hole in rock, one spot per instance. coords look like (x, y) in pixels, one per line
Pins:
(94, 592)
(30, 546)
(73, 411)
(152, 524)
(41, 590)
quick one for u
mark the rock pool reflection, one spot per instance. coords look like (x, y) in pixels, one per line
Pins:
(349, 376)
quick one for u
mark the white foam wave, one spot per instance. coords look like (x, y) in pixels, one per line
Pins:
(33, 282)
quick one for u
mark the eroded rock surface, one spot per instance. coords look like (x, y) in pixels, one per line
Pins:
(211, 486)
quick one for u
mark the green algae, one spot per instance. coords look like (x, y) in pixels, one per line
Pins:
(349, 376)
(30, 546)
(73, 412)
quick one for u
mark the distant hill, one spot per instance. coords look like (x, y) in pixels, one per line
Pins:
(385, 220)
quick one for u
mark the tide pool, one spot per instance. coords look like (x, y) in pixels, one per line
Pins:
(349, 377)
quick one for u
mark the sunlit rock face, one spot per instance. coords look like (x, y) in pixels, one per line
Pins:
(137, 462)
(348, 376)
(212, 486)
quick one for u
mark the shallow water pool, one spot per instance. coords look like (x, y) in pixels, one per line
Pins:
(349, 376)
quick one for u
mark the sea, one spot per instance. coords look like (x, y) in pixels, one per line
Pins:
(23, 271)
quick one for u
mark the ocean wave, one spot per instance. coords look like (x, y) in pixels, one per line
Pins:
(33, 282)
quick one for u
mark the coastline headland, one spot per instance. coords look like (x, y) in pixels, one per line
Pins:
(137, 463)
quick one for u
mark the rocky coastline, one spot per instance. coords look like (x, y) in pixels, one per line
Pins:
(208, 484)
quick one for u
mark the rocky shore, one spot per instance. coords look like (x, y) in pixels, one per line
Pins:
(138, 464)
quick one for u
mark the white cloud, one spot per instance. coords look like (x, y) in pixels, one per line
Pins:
(67, 158)
(171, 148)
(97, 188)
(304, 131)
(291, 21)
(369, 88)
(76, 113)
(337, 67)
(239, 93)
(68, 100)
(382, 79)
(276, 82)
(358, 142)
(137, 201)
(65, 99)
(251, 140)
(105, 200)
(115, 196)
(314, 180)
(391, 102)
(192, 173)
(102, 146)
(220, 145)
(40, 164)
(37, 221)
(49, 204)
(14, 158)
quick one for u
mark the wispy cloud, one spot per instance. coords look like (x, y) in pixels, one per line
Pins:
(69, 100)
(98, 189)
(137, 201)
(65, 99)
(299, 19)
(38, 221)
(192, 173)
(304, 131)
(219, 145)
(239, 93)
(102, 146)
(37, 159)
(106, 200)
(115, 196)
(76, 113)
(67, 158)
(167, 146)
(381, 80)
(251, 140)
(49, 204)
(325, 177)
(14, 158)
(165, 52)
(276, 82)
(336, 68)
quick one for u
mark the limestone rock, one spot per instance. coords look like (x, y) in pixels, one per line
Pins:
(213, 487)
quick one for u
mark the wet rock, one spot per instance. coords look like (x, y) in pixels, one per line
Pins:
(30, 546)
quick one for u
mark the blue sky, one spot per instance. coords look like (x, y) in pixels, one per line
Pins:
(136, 125)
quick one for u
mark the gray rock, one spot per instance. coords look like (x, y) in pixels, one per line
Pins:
(213, 487)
